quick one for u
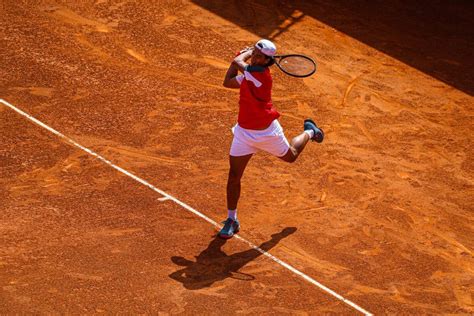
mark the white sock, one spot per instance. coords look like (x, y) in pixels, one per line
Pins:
(310, 132)
(232, 214)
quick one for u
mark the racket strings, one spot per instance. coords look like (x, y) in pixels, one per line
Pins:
(297, 65)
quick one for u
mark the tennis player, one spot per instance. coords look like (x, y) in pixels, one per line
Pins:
(258, 127)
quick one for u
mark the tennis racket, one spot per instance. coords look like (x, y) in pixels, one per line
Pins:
(295, 65)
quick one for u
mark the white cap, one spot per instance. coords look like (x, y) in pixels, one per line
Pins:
(266, 47)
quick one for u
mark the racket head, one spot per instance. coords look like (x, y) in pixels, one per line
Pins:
(296, 65)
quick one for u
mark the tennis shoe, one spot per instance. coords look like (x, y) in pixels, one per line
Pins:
(318, 133)
(230, 228)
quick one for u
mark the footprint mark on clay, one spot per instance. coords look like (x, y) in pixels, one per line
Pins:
(365, 131)
(136, 55)
(72, 17)
(210, 60)
(39, 91)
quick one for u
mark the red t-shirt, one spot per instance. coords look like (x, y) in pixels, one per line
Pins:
(256, 109)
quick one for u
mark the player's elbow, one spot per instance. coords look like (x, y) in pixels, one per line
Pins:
(230, 83)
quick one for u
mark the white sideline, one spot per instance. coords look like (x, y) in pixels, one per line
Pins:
(166, 196)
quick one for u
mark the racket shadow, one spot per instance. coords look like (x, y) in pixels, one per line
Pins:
(213, 264)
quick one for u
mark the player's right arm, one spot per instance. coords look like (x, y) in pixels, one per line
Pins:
(232, 79)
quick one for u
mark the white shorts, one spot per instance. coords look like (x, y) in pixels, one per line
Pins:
(248, 141)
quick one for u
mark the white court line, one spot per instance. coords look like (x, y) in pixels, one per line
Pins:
(166, 196)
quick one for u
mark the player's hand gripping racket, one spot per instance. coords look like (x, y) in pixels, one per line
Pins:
(295, 65)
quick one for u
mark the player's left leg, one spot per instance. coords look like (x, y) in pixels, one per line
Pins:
(297, 144)
(236, 171)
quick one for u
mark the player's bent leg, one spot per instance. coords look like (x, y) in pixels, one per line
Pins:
(297, 145)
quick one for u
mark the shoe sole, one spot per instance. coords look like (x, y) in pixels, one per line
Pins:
(229, 236)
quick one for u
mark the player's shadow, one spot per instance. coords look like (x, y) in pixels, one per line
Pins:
(213, 264)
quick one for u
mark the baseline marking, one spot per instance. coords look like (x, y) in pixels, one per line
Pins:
(166, 196)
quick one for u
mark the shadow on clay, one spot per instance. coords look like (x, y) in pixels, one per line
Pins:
(213, 264)
(434, 37)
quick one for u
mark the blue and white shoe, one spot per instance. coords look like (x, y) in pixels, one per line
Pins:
(230, 228)
(318, 133)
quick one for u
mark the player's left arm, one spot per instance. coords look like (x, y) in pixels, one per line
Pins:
(231, 79)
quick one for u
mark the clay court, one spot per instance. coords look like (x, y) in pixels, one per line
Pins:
(115, 134)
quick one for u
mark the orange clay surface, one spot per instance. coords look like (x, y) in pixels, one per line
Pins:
(381, 212)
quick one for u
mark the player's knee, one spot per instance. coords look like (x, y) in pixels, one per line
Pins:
(234, 176)
(291, 155)
(292, 159)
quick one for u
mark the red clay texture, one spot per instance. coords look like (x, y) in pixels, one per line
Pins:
(381, 212)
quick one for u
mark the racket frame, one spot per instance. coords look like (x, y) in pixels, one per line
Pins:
(277, 58)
